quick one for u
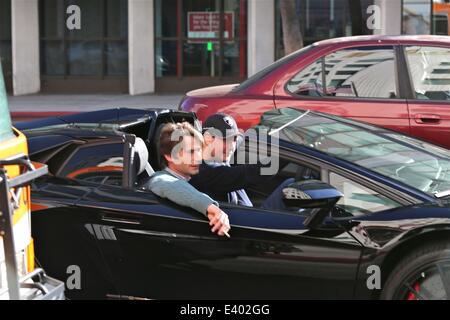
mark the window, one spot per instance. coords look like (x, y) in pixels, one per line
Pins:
(430, 72)
(418, 164)
(426, 17)
(358, 199)
(99, 48)
(189, 41)
(322, 19)
(96, 163)
(416, 17)
(266, 193)
(271, 67)
(5, 38)
(357, 72)
(441, 14)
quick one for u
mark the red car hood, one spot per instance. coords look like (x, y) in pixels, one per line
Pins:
(212, 91)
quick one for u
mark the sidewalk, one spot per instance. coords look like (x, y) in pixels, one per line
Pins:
(46, 105)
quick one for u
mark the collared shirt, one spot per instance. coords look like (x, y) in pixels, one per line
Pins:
(170, 185)
(176, 174)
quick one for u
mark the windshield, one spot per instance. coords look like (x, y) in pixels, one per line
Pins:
(5, 120)
(418, 164)
(264, 72)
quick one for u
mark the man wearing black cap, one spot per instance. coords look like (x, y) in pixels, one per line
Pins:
(216, 178)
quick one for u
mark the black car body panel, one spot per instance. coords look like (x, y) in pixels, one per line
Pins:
(129, 242)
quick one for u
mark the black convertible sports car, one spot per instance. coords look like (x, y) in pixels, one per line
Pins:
(387, 237)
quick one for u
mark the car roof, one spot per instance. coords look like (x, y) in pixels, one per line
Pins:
(264, 79)
(392, 38)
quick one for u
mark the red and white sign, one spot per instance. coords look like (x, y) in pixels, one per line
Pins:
(206, 25)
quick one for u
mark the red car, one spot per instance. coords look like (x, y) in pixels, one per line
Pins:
(397, 82)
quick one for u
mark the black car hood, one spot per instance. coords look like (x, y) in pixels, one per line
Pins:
(383, 229)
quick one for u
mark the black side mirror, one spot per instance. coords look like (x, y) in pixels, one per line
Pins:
(312, 194)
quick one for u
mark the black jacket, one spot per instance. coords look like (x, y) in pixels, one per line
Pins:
(218, 180)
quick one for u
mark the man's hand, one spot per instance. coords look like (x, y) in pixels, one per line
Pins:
(218, 220)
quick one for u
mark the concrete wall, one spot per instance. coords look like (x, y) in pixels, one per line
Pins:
(25, 46)
(261, 34)
(391, 17)
(141, 46)
(261, 40)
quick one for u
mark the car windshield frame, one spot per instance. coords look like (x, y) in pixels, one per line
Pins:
(415, 163)
(267, 70)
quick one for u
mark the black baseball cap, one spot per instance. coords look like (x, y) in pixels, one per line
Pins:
(222, 122)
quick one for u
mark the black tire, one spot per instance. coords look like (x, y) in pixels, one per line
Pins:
(419, 265)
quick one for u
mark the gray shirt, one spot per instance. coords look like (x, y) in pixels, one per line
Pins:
(169, 186)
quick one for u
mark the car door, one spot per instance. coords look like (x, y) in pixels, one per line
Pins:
(157, 249)
(429, 106)
(362, 83)
(64, 227)
(65, 247)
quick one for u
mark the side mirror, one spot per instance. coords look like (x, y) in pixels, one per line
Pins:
(312, 194)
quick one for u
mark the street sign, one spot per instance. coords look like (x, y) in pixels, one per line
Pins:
(206, 25)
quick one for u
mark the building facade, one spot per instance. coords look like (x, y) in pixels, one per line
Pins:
(147, 46)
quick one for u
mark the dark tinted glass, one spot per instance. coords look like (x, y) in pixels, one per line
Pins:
(99, 163)
(5, 37)
(85, 58)
(98, 48)
(52, 56)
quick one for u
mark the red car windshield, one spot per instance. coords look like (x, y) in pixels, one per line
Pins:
(267, 70)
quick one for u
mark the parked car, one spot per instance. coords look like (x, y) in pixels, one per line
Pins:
(392, 212)
(397, 82)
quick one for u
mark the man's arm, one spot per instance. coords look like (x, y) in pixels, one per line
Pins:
(226, 179)
(180, 192)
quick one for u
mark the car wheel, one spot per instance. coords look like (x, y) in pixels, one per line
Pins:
(423, 274)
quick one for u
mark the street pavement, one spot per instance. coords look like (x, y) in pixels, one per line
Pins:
(34, 106)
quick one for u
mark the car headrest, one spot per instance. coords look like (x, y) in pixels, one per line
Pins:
(141, 157)
(158, 159)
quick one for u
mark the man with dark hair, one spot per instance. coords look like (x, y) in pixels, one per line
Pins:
(216, 177)
(180, 149)
(228, 183)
